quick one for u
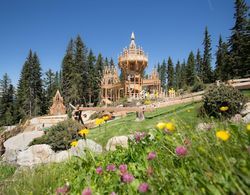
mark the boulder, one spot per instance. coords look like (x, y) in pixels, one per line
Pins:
(61, 156)
(42, 153)
(117, 141)
(246, 118)
(204, 126)
(85, 144)
(236, 118)
(36, 154)
(18, 143)
(246, 109)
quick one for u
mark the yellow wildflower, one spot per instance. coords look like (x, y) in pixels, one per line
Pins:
(161, 126)
(105, 118)
(170, 126)
(223, 108)
(248, 126)
(83, 132)
(223, 135)
(74, 143)
(99, 121)
(188, 110)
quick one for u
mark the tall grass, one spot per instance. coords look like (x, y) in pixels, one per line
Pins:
(211, 165)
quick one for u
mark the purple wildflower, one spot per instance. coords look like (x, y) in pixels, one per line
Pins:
(87, 191)
(123, 168)
(112, 193)
(143, 187)
(99, 170)
(181, 151)
(151, 155)
(63, 190)
(111, 167)
(139, 136)
(127, 178)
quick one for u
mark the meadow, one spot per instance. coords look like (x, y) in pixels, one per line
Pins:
(178, 160)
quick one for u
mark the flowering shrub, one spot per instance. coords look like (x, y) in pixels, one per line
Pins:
(222, 101)
(62, 135)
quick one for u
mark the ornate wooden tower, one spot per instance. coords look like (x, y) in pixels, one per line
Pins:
(132, 62)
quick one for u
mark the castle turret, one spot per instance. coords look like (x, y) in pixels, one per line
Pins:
(132, 62)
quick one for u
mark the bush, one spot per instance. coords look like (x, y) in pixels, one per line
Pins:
(219, 97)
(60, 136)
(198, 86)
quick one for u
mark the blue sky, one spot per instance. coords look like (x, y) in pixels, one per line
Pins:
(162, 27)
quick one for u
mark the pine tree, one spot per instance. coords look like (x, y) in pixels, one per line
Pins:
(190, 69)
(30, 91)
(111, 63)
(50, 87)
(58, 81)
(178, 75)
(207, 57)
(183, 75)
(198, 61)
(91, 76)
(221, 69)
(7, 109)
(66, 73)
(39, 107)
(163, 74)
(239, 42)
(79, 74)
(99, 66)
(170, 72)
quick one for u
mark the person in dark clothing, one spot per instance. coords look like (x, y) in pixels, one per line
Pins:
(80, 117)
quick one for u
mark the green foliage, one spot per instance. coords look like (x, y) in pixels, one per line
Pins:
(170, 73)
(51, 85)
(222, 96)
(30, 96)
(198, 86)
(221, 68)
(162, 70)
(178, 83)
(6, 171)
(211, 166)
(198, 64)
(60, 136)
(81, 74)
(207, 57)
(7, 101)
(190, 69)
(239, 42)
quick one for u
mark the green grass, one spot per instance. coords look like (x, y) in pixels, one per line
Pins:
(211, 166)
(246, 92)
(128, 125)
(6, 171)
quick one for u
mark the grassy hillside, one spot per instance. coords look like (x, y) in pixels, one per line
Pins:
(185, 159)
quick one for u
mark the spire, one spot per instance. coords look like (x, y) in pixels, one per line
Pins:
(132, 43)
(132, 36)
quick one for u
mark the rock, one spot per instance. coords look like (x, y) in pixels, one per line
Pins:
(18, 143)
(117, 141)
(35, 154)
(246, 109)
(246, 118)
(204, 126)
(61, 156)
(236, 118)
(42, 153)
(85, 144)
